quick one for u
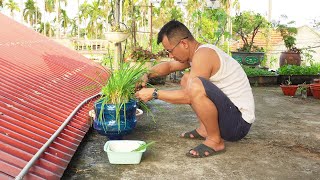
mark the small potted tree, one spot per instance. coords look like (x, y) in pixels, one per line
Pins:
(246, 25)
(288, 33)
(288, 89)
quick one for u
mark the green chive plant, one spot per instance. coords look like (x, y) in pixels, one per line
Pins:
(120, 88)
(143, 146)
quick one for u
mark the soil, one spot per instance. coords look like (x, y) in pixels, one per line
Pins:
(283, 143)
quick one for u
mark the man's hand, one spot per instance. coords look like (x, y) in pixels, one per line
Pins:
(142, 83)
(145, 94)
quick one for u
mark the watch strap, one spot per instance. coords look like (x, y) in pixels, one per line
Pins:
(155, 94)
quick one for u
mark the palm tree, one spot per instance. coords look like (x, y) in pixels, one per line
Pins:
(46, 26)
(58, 7)
(1, 3)
(65, 20)
(31, 13)
(78, 19)
(49, 7)
(97, 15)
(75, 27)
(13, 6)
(84, 13)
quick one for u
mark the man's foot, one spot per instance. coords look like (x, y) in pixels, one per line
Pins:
(203, 151)
(192, 135)
(208, 148)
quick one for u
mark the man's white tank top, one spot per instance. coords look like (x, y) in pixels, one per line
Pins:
(233, 81)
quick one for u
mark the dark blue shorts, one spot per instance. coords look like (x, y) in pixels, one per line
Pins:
(231, 124)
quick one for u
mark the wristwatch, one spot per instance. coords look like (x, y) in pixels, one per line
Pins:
(155, 94)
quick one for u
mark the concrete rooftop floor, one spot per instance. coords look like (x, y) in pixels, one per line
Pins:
(283, 143)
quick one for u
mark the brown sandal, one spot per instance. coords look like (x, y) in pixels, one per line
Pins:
(195, 134)
(202, 149)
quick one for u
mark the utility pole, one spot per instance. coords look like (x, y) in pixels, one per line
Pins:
(118, 57)
(269, 30)
(269, 10)
(21, 7)
(78, 19)
(150, 25)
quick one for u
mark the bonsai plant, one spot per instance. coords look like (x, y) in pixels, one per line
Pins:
(304, 90)
(246, 25)
(116, 109)
(288, 89)
(288, 33)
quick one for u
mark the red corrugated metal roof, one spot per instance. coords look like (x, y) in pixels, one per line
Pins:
(41, 83)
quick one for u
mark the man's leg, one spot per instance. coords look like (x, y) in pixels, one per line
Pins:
(207, 113)
(201, 129)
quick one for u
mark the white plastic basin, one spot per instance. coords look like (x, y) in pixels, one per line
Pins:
(120, 151)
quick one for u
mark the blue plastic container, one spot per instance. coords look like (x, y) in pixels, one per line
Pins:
(107, 124)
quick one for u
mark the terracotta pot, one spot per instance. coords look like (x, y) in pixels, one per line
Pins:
(289, 90)
(292, 58)
(315, 85)
(317, 81)
(309, 93)
(315, 92)
(307, 86)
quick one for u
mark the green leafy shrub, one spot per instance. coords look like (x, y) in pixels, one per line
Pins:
(299, 70)
(251, 72)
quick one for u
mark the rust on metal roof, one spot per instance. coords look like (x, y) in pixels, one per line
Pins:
(41, 83)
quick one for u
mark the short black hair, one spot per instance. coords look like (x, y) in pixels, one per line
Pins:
(175, 31)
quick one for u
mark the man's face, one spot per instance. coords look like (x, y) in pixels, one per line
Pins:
(176, 51)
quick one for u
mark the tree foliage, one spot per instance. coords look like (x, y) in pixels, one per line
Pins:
(246, 25)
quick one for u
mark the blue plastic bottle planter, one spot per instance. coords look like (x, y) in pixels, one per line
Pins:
(108, 126)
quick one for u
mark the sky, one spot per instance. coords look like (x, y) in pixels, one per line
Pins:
(303, 12)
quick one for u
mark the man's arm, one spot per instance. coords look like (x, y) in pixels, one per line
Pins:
(163, 69)
(166, 68)
(205, 63)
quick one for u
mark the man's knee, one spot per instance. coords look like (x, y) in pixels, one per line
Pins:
(184, 80)
(195, 87)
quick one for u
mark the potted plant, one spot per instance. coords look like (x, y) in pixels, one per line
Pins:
(116, 108)
(118, 33)
(298, 74)
(140, 55)
(288, 33)
(288, 89)
(315, 89)
(258, 76)
(304, 90)
(246, 25)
